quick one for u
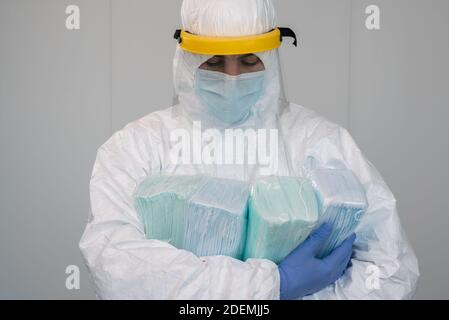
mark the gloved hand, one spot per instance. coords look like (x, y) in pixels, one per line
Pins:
(302, 274)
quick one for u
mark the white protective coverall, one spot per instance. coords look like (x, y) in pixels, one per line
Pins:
(126, 265)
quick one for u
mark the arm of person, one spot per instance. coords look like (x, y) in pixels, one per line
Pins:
(383, 263)
(126, 265)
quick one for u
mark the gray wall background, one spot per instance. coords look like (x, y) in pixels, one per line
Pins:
(63, 93)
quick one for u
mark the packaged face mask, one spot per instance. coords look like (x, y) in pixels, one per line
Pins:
(229, 98)
(342, 202)
(282, 213)
(204, 215)
(210, 216)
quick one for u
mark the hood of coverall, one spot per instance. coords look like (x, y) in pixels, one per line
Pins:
(228, 18)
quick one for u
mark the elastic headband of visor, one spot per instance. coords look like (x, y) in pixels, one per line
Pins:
(218, 46)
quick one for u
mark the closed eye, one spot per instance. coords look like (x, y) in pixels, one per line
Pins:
(215, 61)
(250, 64)
(250, 60)
(214, 64)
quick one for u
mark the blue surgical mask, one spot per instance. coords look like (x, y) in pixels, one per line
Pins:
(229, 98)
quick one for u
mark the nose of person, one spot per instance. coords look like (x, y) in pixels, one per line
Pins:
(232, 67)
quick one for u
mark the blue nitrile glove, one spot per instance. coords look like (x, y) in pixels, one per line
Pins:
(302, 274)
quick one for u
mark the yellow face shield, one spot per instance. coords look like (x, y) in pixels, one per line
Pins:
(221, 46)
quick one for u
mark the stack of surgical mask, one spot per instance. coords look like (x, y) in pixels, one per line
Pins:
(211, 216)
(342, 201)
(204, 215)
(282, 213)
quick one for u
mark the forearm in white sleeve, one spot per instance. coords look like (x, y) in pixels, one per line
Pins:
(126, 265)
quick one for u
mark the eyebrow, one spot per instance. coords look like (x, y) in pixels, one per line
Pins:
(248, 55)
(243, 56)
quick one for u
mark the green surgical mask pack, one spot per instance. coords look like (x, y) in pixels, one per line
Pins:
(266, 219)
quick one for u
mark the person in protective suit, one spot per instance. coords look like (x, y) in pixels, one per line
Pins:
(227, 75)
